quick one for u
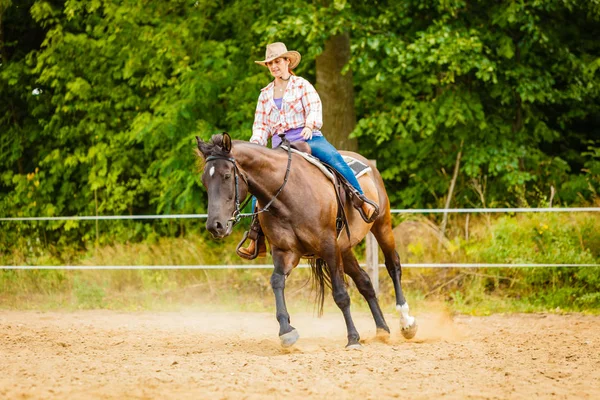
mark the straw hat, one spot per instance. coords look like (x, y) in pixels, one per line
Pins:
(278, 49)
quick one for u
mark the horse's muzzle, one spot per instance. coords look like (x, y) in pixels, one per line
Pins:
(219, 229)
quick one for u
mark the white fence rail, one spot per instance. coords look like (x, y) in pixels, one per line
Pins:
(372, 264)
(393, 211)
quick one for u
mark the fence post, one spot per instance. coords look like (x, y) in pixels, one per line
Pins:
(373, 256)
(373, 261)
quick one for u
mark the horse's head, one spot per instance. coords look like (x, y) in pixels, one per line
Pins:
(225, 185)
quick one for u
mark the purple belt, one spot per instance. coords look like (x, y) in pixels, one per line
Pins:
(293, 135)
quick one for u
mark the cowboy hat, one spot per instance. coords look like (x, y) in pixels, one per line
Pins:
(277, 50)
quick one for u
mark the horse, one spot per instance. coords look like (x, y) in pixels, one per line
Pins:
(301, 223)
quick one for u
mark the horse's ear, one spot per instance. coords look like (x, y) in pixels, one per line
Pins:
(226, 142)
(201, 147)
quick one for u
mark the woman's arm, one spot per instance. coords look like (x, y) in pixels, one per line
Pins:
(260, 128)
(313, 107)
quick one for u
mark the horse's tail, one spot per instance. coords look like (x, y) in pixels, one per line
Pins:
(320, 279)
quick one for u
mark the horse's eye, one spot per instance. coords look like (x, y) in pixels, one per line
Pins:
(227, 176)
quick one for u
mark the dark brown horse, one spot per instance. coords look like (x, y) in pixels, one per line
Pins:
(301, 221)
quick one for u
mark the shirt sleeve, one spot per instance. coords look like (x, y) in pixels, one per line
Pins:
(260, 128)
(313, 106)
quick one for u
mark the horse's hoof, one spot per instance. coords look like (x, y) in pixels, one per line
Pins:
(355, 346)
(288, 339)
(382, 335)
(410, 331)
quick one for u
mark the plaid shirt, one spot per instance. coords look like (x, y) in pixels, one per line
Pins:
(301, 107)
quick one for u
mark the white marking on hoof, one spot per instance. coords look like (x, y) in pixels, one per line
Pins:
(405, 319)
(288, 339)
(356, 346)
(211, 171)
(410, 331)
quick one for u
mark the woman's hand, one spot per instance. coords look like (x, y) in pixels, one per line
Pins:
(307, 133)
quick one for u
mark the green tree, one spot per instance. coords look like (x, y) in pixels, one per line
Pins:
(101, 100)
(493, 76)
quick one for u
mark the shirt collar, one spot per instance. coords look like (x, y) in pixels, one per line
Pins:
(293, 82)
(290, 91)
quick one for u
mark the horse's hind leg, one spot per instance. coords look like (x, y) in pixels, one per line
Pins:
(382, 230)
(340, 294)
(283, 262)
(365, 287)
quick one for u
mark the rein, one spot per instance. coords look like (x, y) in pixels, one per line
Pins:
(237, 214)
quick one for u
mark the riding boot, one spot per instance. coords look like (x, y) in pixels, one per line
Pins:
(257, 246)
(368, 209)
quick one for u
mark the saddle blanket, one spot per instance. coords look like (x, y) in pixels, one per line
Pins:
(358, 167)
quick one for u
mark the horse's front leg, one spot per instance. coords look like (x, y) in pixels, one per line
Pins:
(284, 262)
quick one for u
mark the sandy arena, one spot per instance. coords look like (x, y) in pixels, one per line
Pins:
(175, 355)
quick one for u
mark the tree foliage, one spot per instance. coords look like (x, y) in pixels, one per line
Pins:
(101, 99)
(517, 81)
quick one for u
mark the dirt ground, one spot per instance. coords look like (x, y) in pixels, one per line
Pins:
(193, 354)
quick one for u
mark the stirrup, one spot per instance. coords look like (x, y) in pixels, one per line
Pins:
(241, 243)
(362, 213)
(260, 247)
(260, 243)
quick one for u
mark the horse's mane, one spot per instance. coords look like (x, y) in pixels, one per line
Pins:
(214, 147)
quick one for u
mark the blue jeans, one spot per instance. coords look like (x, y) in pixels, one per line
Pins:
(325, 152)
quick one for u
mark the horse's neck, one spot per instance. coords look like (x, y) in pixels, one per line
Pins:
(264, 168)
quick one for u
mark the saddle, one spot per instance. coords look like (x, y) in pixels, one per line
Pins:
(343, 189)
(302, 147)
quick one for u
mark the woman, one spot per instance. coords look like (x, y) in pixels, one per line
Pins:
(290, 105)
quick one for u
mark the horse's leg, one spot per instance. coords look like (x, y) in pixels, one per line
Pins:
(284, 262)
(382, 230)
(365, 287)
(340, 294)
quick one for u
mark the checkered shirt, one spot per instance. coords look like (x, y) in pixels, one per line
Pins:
(301, 106)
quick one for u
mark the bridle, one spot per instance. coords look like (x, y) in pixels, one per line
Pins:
(237, 214)
(236, 173)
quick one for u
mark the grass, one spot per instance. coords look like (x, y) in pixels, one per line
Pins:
(533, 238)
